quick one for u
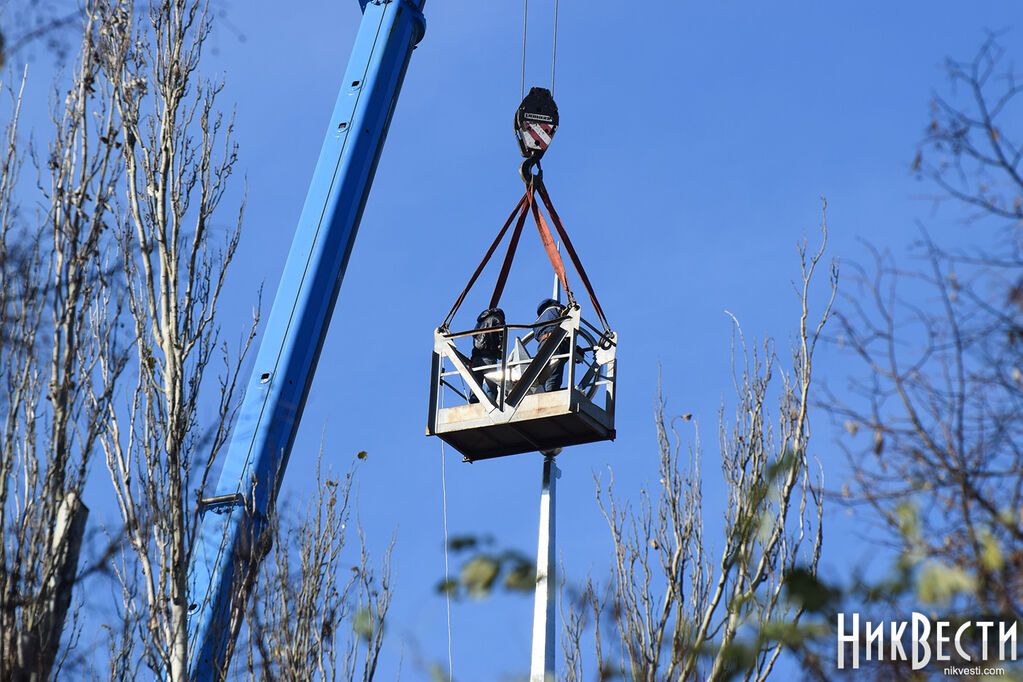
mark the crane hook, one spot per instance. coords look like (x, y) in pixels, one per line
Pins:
(526, 169)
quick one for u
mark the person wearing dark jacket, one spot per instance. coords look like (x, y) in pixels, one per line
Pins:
(548, 311)
(487, 349)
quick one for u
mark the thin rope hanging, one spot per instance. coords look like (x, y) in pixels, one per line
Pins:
(554, 56)
(447, 592)
(525, 26)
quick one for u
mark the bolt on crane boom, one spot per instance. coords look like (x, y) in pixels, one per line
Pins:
(234, 514)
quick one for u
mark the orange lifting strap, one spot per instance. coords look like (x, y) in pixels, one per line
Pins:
(526, 205)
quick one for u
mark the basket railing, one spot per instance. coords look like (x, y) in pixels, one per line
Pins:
(588, 358)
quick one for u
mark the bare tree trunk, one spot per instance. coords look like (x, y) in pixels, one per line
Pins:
(41, 643)
(178, 156)
(54, 303)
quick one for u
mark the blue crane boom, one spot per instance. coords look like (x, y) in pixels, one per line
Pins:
(235, 512)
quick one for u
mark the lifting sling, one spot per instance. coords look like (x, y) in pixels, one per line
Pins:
(529, 204)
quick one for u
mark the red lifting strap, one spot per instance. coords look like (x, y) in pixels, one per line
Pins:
(550, 248)
(513, 244)
(572, 253)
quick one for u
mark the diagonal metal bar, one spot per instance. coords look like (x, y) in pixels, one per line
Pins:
(547, 350)
(462, 366)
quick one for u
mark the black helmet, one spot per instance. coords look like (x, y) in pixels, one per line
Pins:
(547, 303)
(490, 312)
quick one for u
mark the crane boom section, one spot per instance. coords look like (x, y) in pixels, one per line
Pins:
(235, 512)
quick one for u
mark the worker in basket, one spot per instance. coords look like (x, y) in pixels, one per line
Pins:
(487, 350)
(548, 311)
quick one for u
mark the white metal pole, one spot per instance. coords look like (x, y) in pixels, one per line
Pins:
(542, 664)
(541, 667)
(557, 282)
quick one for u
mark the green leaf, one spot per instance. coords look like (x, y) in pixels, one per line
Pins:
(909, 521)
(939, 582)
(991, 552)
(365, 623)
(438, 673)
(479, 574)
(789, 458)
(521, 577)
(782, 632)
(736, 657)
(459, 543)
(806, 590)
(792, 634)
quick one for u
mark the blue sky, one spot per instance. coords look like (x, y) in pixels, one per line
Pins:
(696, 141)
